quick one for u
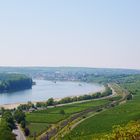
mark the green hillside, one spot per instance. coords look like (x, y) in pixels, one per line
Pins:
(14, 82)
(102, 123)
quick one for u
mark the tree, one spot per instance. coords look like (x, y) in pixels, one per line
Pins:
(2, 109)
(50, 102)
(7, 116)
(30, 104)
(38, 104)
(19, 116)
(5, 131)
(41, 104)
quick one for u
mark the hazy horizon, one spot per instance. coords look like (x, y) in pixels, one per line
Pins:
(69, 67)
(92, 33)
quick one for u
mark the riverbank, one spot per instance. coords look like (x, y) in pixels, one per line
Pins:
(44, 90)
(15, 105)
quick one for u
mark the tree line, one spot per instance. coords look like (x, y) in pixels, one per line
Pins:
(52, 102)
(8, 123)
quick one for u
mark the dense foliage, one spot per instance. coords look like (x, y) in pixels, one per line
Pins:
(19, 116)
(129, 132)
(8, 121)
(8, 117)
(6, 126)
(5, 131)
(97, 95)
(14, 82)
(26, 107)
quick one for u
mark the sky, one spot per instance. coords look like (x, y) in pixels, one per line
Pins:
(79, 33)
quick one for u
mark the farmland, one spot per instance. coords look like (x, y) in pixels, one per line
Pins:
(38, 121)
(52, 119)
(103, 122)
(87, 118)
(37, 128)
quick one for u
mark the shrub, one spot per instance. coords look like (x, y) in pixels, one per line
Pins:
(62, 112)
(27, 131)
(129, 132)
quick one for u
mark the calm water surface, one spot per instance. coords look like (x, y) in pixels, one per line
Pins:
(47, 89)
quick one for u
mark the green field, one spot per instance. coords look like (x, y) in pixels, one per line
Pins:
(103, 122)
(39, 120)
(37, 128)
(95, 126)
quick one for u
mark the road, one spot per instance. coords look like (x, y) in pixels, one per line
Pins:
(19, 134)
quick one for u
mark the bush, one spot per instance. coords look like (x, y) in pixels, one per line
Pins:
(99, 110)
(129, 97)
(62, 112)
(26, 131)
(129, 132)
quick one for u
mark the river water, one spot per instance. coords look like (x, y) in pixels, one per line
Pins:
(46, 89)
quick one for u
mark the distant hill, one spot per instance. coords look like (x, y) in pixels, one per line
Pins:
(14, 82)
(99, 71)
(67, 73)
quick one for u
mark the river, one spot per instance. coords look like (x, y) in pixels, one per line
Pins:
(46, 89)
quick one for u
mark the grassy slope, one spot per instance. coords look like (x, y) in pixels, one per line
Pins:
(104, 121)
(38, 119)
(52, 115)
(37, 128)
